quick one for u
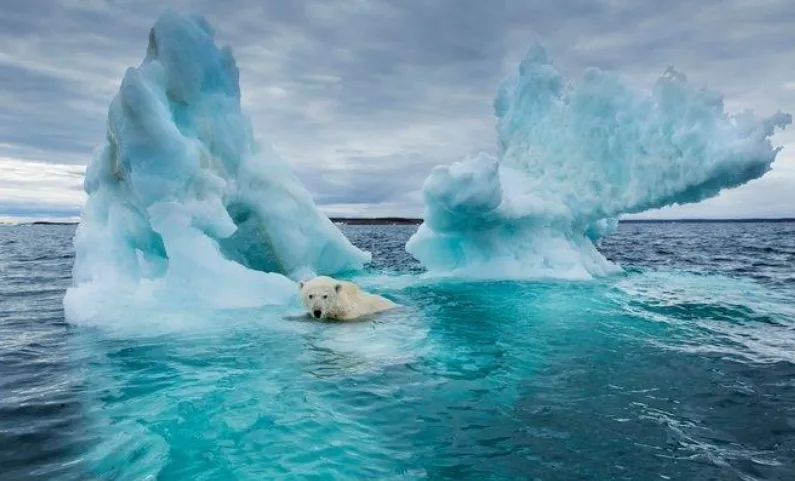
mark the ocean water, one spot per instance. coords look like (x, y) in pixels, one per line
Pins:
(683, 368)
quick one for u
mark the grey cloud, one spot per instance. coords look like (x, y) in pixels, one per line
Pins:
(367, 180)
(30, 116)
(364, 97)
(37, 210)
(742, 203)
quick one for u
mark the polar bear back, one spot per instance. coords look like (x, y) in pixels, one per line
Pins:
(361, 303)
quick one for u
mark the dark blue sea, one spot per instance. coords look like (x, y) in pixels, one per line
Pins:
(682, 368)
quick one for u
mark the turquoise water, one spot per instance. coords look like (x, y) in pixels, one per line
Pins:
(683, 368)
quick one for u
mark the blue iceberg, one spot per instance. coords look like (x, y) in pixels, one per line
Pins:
(182, 202)
(573, 157)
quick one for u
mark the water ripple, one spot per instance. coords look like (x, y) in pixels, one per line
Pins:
(681, 368)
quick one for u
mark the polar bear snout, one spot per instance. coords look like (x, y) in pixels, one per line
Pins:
(317, 313)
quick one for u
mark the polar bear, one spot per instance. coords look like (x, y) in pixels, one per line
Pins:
(328, 298)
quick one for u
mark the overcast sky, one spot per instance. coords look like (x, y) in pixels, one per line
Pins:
(364, 97)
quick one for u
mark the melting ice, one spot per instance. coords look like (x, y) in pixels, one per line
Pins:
(185, 207)
(183, 204)
(572, 158)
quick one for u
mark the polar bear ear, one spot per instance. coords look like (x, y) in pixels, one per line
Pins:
(301, 284)
(338, 288)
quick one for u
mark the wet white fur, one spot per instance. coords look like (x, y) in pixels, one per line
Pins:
(340, 300)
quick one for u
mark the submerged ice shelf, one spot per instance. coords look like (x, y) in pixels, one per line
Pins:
(182, 202)
(572, 158)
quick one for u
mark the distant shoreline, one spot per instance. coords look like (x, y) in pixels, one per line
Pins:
(416, 221)
(376, 220)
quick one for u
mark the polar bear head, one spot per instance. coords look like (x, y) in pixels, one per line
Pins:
(322, 297)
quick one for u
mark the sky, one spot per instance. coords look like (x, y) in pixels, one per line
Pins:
(365, 97)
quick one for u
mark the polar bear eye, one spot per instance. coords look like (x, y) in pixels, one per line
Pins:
(311, 296)
(325, 296)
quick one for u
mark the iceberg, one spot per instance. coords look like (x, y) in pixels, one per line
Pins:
(183, 203)
(573, 157)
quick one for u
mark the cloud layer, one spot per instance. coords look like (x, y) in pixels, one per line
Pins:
(364, 97)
